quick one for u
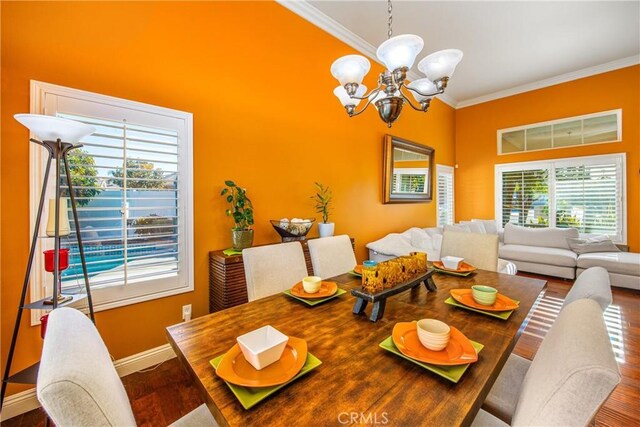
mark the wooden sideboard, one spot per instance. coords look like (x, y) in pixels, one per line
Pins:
(227, 284)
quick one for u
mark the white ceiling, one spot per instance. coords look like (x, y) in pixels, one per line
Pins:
(509, 47)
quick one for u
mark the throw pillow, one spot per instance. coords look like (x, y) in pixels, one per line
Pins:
(420, 239)
(460, 228)
(477, 227)
(489, 225)
(592, 244)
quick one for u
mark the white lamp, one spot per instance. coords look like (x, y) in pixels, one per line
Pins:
(424, 86)
(400, 51)
(440, 64)
(350, 69)
(50, 128)
(344, 97)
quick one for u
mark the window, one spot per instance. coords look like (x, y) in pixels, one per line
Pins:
(445, 195)
(587, 193)
(588, 129)
(132, 182)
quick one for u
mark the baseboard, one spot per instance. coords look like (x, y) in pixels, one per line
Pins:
(26, 401)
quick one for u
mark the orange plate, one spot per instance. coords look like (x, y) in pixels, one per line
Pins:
(326, 290)
(459, 351)
(464, 267)
(503, 303)
(358, 269)
(235, 369)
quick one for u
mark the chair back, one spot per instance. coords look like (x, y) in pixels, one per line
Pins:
(592, 283)
(573, 372)
(479, 250)
(77, 382)
(272, 269)
(331, 256)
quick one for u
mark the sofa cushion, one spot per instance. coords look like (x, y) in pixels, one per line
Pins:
(421, 239)
(459, 228)
(615, 262)
(539, 255)
(544, 237)
(489, 225)
(592, 244)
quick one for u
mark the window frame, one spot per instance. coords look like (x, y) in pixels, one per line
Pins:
(42, 101)
(619, 158)
(445, 170)
(500, 132)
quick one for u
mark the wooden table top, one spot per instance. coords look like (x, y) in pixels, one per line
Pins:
(357, 376)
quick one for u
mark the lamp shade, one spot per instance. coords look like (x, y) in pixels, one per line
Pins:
(50, 128)
(423, 85)
(63, 219)
(400, 51)
(440, 64)
(350, 69)
(344, 97)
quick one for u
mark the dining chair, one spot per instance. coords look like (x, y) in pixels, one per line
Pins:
(77, 383)
(570, 377)
(272, 269)
(592, 283)
(479, 250)
(331, 256)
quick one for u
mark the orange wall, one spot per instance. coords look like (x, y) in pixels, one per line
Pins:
(256, 78)
(476, 130)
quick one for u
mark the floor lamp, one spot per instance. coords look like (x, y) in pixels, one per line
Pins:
(58, 136)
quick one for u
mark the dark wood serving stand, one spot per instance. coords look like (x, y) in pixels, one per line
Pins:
(379, 299)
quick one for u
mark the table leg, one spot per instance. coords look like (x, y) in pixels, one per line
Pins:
(378, 310)
(359, 306)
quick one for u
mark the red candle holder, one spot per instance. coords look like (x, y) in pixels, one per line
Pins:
(43, 325)
(63, 259)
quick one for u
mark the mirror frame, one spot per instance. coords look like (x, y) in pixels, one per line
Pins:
(391, 142)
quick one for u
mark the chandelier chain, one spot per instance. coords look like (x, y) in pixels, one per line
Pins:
(390, 22)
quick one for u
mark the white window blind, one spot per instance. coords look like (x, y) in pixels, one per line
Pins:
(133, 184)
(587, 193)
(445, 196)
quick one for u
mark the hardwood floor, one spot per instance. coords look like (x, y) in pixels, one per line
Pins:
(163, 395)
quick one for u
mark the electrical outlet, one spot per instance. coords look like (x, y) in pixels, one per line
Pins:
(186, 312)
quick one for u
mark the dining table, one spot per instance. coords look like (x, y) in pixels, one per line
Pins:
(358, 381)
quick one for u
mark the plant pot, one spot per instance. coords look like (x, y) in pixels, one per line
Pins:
(242, 239)
(325, 229)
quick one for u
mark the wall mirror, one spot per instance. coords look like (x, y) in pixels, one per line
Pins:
(407, 171)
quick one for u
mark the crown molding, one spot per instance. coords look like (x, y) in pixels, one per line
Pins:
(331, 26)
(562, 78)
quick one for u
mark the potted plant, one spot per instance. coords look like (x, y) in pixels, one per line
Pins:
(242, 212)
(323, 199)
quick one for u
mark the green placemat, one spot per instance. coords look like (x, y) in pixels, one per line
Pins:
(353, 272)
(453, 273)
(231, 251)
(313, 302)
(452, 373)
(251, 396)
(504, 315)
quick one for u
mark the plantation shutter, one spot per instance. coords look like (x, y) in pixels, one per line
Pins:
(125, 180)
(588, 196)
(525, 197)
(445, 195)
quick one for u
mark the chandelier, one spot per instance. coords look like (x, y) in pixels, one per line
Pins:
(398, 55)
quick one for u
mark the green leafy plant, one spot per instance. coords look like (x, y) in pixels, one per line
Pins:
(83, 177)
(322, 198)
(140, 174)
(241, 207)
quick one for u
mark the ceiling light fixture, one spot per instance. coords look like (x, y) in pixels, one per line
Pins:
(398, 55)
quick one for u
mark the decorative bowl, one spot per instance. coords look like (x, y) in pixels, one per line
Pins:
(433, 334)
(484, 295)
(263, 346)
(296, 229)
(451, 262)
(311, 284)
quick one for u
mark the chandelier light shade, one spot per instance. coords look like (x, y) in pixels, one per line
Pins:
(50, 128)
(398, 54)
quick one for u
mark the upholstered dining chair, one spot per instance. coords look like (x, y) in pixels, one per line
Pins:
(479, 250)
(271, 269)
(570, 377)
(331, 256)
(592, 283)
(77, 383)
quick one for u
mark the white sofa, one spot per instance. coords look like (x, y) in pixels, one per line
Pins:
(547, 251)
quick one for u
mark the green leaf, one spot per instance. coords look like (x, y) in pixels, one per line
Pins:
(224, 191)
(230, 183)
(229, 198)
(228, 212)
